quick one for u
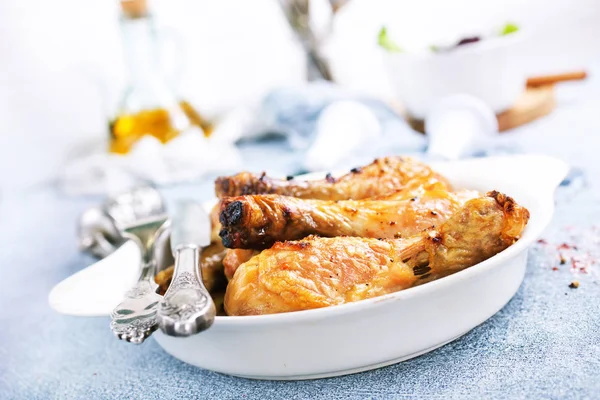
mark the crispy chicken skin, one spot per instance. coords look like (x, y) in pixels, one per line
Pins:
(413, 175)
(319, 272)
(418, 189)
(256, 222)
(384, 175)
(211, 262)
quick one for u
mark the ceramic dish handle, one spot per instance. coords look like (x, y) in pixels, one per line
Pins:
(546, 173)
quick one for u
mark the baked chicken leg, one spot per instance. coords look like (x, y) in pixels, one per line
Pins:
(384, 175)
(256, 222)
(320, 272)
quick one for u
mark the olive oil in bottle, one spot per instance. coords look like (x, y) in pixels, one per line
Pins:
(148, 105)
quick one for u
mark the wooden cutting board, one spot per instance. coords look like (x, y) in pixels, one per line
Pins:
(535, 102)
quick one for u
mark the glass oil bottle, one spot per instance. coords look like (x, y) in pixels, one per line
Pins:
(148, 105)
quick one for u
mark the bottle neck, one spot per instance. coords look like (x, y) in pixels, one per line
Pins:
(147, 88)
(142, 62)
(139, 45)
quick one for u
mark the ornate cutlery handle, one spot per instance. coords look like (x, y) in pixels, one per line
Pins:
(134, 319)
(187, 307)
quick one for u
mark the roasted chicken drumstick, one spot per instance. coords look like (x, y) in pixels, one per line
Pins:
(256, 222)
(383, 176)
(320, 272)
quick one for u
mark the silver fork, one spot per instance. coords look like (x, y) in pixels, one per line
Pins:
(134, 319)
(140, 215)
(101, 228)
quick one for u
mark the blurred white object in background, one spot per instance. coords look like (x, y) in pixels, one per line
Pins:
(235, 52)
(459, 126)
(491, 70)
(185, 158)
(561, 34)
(320, 18)
(344, 130)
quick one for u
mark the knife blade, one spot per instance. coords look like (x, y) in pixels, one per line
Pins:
(190, 225)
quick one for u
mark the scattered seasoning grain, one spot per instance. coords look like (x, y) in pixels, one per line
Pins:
(578, 250)
(574, 285)
(573, 264)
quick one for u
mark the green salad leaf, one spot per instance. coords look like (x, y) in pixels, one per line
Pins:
(385, 42)
(508, 29)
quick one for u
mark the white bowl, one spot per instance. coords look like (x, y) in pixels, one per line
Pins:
(489, 70)
(376, 332)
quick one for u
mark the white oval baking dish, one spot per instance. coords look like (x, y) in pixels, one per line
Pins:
(376, 332)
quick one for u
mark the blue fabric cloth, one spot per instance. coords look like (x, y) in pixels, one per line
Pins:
(543, 344)
(293, 113)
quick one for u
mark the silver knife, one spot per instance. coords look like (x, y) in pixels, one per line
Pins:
(187, 307)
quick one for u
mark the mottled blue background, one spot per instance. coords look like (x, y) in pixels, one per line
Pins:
(544, 344)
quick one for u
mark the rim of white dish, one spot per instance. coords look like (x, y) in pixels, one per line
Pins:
(531, 233)
(483, 45)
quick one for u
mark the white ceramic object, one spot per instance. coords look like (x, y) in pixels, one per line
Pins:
(344, 129)
(489, 70)
(459, 125)
(381, 331)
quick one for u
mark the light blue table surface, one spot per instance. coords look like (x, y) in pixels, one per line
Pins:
(545, 343)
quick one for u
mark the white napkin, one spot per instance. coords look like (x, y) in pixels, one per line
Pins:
(185, 158)
(343, 129)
